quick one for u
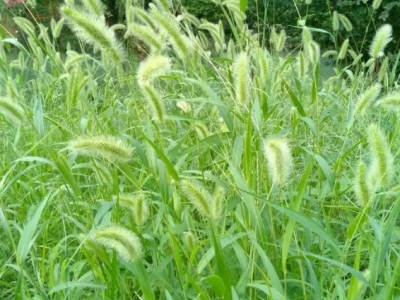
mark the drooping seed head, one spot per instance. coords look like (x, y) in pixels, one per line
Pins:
(11, 110)
(367, 98)
(151, 68)
(111, 148)
(382, 38)
(123, 241)
(346, 22)
(390, 101)
(198, 196)
(138, 205)
(94, 31)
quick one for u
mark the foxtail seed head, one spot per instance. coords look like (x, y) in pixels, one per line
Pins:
(94, 7)
(376, 4)
(155, 101)
(147, 35)
(123, 241)
(367, 98)
(279, 160)
(217, 203)
(241, 78)
(168, 24)
(198, 196)
(381, 158)
(138, 205)
(111, 148)
(151, 68)
(343, 49)
(382, 38)
(335, 21)
(11, 110)
(390, 101)
(362, 187)
(346, 22)
(313, 52)
(93, 30)
(189, 240)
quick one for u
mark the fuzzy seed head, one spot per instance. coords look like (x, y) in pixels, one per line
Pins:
(110, 148)
(343, 49)
(376, 4)
(184, 106)
(279, 160)
(367, 98)
(123, 241)
(151, 68)
(383, 69)
(382, 38)
(198, 196)
(217, 203)
(11, 110)
(94, 31)
(335, 21)
(263, 64)
(147, 35)
(362, 187)
(241, 78)
(313, 52)
(382, 170)
(169, 26)
(390, 101)
(155, 101)
(280, 41)
(306, 35)
(138, 205)
(189, 240)
(346, 22)
(95, 7)
(303, 65)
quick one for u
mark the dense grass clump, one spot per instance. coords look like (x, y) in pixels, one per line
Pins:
(216, 168)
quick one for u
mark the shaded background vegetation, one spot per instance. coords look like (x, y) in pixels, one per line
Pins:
(262, 15)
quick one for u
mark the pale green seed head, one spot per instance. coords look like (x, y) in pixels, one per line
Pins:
(363, 189)
(345, 22)
(382, 38)
(382, 161)
(123, 241)
(335, 21)
(279, 160)
(367, 98)
(110, 148)
(11, 110)
(198, 196)
(138, 205)
(241, 76)
(94, 31)
(343, 49)
(151, 68)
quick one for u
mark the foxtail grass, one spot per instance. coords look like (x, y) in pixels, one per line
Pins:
(111, 148)
(125, 243)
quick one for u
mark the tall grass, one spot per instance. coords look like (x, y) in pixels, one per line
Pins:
(214, 169)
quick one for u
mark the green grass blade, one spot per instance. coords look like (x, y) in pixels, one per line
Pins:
(170, 168)
(295, 100)
(27, 235)
(287, 237)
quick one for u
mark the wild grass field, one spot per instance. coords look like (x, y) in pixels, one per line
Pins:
(216, 168)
